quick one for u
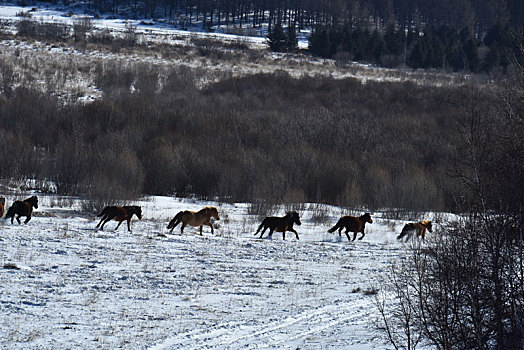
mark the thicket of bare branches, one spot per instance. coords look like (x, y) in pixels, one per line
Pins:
(262, 137)
(466, 288)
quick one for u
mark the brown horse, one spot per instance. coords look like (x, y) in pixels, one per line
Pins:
(119, 214)
(2, 206)
(22, 208)
(352, 224)
(280, 224)
(199, 218)
(416, 227)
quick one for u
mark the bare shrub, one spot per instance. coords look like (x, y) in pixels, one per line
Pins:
(81, 27)
(130, 35)
(26, 27)
(320, 215)
(53, 31)
(103, 37)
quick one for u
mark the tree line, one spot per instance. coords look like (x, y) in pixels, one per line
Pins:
(477, 15)
(442, 47)
(459, 35)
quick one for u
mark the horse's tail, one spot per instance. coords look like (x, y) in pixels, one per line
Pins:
(11, 211)
(175, 221)
(404, 232)
(336, 227)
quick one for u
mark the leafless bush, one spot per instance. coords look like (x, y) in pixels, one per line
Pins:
(26, 27)
(466, 288)
(320, 215)
(130, 35)
(104, 37)
(81, 27)
(53, 31)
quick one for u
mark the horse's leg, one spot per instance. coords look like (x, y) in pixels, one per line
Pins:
(103, 217)
(284, 234)
(354, 236)
(212, 231)
(129, 224)
(347, 235)
(264, 230)
(27, 219)
(363, 234)
(201, 226)
(182, 227)
(293, 230)
(105, 222)
(119, 223)
(175, 225)
(18, 219)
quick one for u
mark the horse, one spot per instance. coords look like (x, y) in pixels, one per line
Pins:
(119, 214)
(199, 218)
(2, 206)
(280, 224)
(22, 208)
(416, 227)
(352, 224)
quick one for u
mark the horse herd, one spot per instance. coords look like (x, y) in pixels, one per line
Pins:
(203, 217)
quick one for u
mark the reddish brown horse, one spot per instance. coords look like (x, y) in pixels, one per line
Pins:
(22, 208)
(416, 227)
(119, 214)
(352, 224)
(280, 224)
(199, 218)
(2, 206)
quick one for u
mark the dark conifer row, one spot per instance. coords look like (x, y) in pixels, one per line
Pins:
(441, 46)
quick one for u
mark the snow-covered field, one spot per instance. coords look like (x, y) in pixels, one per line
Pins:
(66, 284)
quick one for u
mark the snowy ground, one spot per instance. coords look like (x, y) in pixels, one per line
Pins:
(65, 284)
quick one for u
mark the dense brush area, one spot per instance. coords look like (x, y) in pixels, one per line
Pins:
(261, 137)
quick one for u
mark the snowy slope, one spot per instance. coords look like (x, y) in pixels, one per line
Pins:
(78, 287)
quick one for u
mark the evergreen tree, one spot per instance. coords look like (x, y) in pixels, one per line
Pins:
(291, 40)
(277, 39)
(319, 43)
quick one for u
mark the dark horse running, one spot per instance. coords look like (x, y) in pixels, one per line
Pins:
(280, 224)
(119, 214)
(352, 224)
(22, 208)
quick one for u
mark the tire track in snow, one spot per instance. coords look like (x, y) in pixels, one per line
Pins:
(275, 333)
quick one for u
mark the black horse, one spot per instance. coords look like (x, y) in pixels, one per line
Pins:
(280, 224)
(119, 214)
(22, 208)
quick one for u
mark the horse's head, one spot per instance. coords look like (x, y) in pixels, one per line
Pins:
(212, 211)
(428, 225)
(33, 201)
(366, 218)
(134, 209)
(293, 218)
